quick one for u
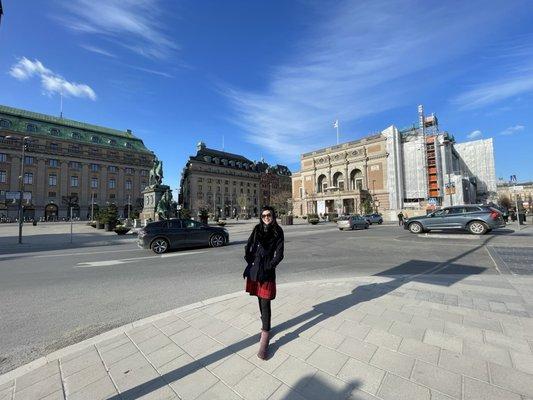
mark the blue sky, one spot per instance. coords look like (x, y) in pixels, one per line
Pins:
(270, 77)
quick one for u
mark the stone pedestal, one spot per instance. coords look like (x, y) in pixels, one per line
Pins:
(152, 195)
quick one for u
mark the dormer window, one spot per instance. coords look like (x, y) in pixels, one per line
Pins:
(95, 139)
(55, 132)
(128, 145)
(5, 123)
(75, 135)
(232, 163)
(112, 142)
(216, 160)
(31, 128)
(224, 161)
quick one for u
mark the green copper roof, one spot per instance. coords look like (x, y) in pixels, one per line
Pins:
(69, 129)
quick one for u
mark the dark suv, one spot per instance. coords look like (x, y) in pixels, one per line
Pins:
(161, 236)
(478, 220)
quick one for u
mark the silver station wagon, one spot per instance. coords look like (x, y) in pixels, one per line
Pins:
(352, 222)
(475, 219)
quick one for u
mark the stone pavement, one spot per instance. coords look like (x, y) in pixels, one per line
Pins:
(427, 336)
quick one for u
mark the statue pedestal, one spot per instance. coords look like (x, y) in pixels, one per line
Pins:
(152, 195)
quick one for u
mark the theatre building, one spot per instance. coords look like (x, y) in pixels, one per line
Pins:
(63, 165)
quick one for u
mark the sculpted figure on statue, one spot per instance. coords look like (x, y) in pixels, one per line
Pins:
(156, 173)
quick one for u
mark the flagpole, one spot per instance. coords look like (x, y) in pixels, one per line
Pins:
(337, 131)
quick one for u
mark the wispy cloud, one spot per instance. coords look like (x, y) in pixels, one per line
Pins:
(133, 24)
(51, 82)
(515, 59)
(359, 61)
(98, 50)
(474, 134)
(512, 130)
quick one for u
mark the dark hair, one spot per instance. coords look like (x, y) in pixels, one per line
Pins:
(272, 211)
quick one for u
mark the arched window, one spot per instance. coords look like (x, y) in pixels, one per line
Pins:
(112, 142)
(356, 180)
(5, 123)
(338, 180)
(322, 184)
(55, 132)
(128, 145)
(75, 135)
(31, 128)
(95, 139)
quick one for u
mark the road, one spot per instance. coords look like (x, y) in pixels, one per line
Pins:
(50, 299)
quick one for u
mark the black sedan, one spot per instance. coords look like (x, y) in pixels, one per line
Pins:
(161, 236)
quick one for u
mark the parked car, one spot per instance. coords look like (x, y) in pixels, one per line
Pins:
(373, 218)
(352, 222)
(161, 236)
(476, 219)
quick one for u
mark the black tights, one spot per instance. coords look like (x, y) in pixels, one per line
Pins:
(264, 308)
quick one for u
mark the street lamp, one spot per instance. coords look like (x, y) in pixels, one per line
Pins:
(21, 183)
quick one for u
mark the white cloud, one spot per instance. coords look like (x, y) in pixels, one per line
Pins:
(492, 92)
(50, 81)
(360, 60)
(133, 24)
(98, 50)
(512, 130)
(474, 134)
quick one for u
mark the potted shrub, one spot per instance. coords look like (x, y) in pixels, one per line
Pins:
(108, 217)
(121, 230)
(312, 219)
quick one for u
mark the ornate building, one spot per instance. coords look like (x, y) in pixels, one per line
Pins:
(228, 185)
(68, 165)
(340, 178)
(222, 183)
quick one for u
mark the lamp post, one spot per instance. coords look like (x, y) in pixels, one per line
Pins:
(374, 195)
(21, 183)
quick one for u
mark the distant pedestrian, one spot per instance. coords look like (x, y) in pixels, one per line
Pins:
(263, 253)
(400, 218)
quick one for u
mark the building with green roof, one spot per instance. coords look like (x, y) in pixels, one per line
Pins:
(69, 165)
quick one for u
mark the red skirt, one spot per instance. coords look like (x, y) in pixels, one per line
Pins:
(264, 290)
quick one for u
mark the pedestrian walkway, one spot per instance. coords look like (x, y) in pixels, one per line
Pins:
(429, 336)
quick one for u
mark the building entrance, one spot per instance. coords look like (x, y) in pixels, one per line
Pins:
(50, 212)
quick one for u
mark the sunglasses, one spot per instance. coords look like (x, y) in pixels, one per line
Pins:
(266, 215)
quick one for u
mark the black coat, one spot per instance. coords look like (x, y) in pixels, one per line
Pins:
(263, 253)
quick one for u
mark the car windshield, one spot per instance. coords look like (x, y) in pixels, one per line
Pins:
(343, 218)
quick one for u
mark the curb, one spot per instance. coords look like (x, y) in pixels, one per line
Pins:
(24, 369)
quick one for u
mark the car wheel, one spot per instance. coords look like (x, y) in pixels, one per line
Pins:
(216, 240)
(415, 227)
(340, 229)
(477, 228)
(159, 246)
(380, 222)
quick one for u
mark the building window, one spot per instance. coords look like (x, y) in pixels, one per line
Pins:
(53, 162)
(51, 194)
(112, 184)
(3, 176)
(55, 132)
(144, 172)
(95, 139)
(74, 181)
(129, 185)
(75, 165)
(128, 171)
(112, 168)
(112, 195)
(128, 145)
(52, 180)
(200, 179)
(143, 184)
(74, 149)
(54, 147)
(95, 167)
(94, 183)
(3, 157)
(28, 160)
(4, 123)
(28, 178)
(112, 142)
(75, 135)
(31, 128)
(200, 188)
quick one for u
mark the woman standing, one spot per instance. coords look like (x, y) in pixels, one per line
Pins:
(263, 252)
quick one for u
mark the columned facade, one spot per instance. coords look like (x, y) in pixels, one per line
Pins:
(339, 179)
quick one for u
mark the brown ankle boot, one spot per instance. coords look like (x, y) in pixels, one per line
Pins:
(263, 345)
